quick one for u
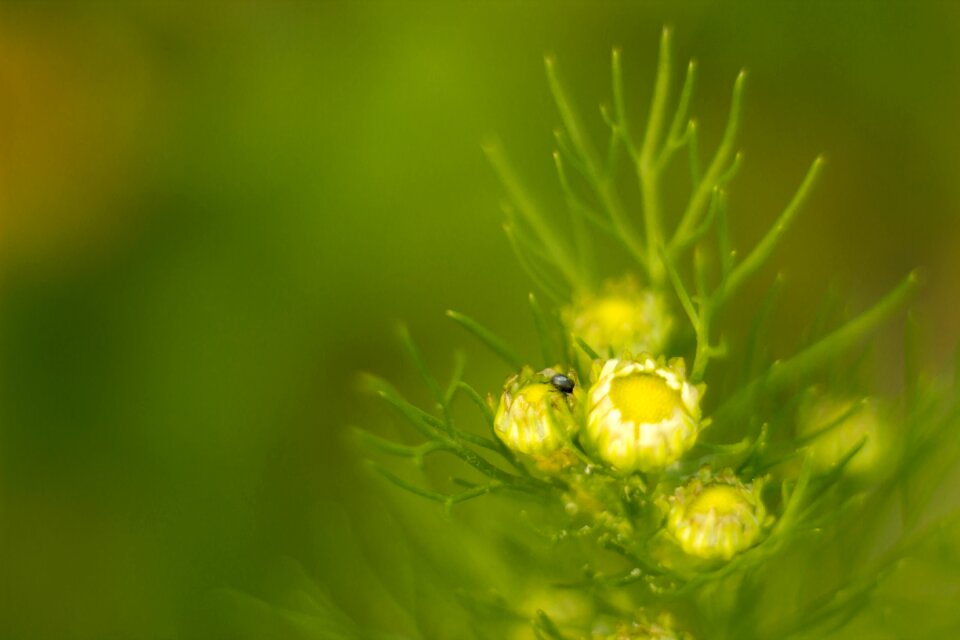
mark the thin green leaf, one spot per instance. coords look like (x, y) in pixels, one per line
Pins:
(487, 337)
(406, 486)
(619, 105)
(569, 153)
(731, 173)
(796, 368)
(421, 365)
(704, 313)
(658, 106)
(676, 137)
(547, 343)
(613, 147)
(537, 274)
(599, 181)
(429, 426)
(705, 226)
(577, 224)
(459, 363)
(765, 247)
(545, 627)
(693, 152)
(475, 396)
(587, 349)
(757, 326)
(647, 171)
(843, 338)
(545, 230)
(681, 291)
(444, 499)
(389, 447)
(701, 194)
(480, 441)
(526, 240)
(911, 366)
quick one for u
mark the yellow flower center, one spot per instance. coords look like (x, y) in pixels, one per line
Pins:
(721, 500)
(644, 398)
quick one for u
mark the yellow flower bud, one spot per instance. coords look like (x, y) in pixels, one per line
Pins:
(535, 415)
(641, 415)
(716, 517)
(624, 317)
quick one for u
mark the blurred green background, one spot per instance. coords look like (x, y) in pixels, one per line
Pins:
(211, 215)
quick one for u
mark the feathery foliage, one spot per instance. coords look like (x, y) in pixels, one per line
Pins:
(782, 505)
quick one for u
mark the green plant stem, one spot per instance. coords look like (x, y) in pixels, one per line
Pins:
(647, 169)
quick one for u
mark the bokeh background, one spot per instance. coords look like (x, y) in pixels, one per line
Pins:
(212, 214)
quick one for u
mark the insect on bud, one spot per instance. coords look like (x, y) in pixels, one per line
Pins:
(535, 414)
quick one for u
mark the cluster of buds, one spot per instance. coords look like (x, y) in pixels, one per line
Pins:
(638, 413)
(641, 414)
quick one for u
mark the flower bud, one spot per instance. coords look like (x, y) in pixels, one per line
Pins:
(624, 317)
(641, 415)
(716, 517)
(535, 414)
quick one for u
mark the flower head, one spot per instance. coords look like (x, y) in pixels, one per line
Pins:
(624, 317)
(535, 414)
(641, 414)
(716, 516)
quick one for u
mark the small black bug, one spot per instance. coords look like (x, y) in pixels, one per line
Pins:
(562, 383)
